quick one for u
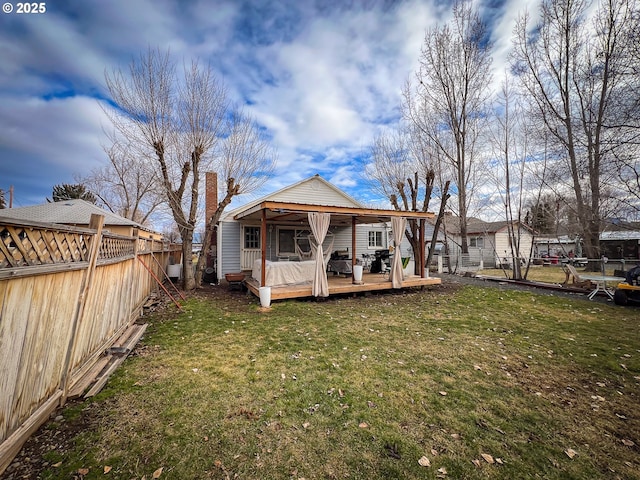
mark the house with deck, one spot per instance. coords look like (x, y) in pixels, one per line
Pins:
(305, 240)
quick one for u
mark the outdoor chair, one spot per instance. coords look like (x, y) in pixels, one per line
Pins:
(579, 282)
(385, 270)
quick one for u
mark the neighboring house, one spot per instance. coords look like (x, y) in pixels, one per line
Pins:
(618, 240)
(621, 240)
(283, 216)
(488, 242)
(557, 245)
(77, 213)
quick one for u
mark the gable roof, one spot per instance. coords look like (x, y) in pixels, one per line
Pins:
(312, 190)
(68, 212)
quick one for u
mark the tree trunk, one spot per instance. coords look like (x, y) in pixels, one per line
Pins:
(233, 189)
(188, 282)
(439, 219)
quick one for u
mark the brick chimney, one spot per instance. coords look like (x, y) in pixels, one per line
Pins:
(211, 194)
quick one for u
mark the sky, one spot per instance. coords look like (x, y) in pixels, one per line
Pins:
(322, 77)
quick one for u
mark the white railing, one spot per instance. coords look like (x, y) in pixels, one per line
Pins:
(248, 256)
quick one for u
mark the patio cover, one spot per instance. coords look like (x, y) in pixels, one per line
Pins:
(280, 212)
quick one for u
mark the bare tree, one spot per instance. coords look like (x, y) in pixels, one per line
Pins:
(127, 185)
(449, 100)
(520, 168)
(179, 122)
(401, 171)
(628, 159)
(628, 167)
(510, 141)
(246, 161)
(575, 70)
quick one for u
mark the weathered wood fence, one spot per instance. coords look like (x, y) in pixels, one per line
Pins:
(66, 294)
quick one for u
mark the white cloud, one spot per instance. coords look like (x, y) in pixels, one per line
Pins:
(322, 79)
(33, 126)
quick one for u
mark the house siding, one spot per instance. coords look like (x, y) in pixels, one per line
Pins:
(503, 250)
(315, 192)
(229, 248)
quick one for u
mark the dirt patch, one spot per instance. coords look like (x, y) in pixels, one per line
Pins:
(52, 441)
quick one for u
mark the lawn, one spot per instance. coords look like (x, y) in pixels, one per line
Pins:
(453, 382)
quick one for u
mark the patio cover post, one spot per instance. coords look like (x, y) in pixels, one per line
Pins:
(353, 247)
(422, 265)
(263, 247)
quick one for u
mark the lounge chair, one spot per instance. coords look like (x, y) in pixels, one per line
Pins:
(578, 282)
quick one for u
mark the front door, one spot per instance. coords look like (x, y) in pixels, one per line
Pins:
(251, 248)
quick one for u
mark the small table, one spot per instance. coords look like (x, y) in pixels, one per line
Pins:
(601, 284)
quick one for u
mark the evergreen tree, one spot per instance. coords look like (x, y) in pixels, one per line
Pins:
(68, 191)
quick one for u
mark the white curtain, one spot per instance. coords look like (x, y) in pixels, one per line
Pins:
(398, 225)
(319, 223)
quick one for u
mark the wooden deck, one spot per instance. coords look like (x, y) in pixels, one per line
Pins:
(342, 285)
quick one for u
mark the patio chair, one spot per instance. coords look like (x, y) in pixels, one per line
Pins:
(579, 282)
(385, 270)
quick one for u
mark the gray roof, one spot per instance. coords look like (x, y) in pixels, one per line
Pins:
(621, 235)
(67, 212)
(476, 226)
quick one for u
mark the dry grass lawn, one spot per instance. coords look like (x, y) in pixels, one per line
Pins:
(453, 382)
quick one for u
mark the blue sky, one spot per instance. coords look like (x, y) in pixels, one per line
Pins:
(322, 77)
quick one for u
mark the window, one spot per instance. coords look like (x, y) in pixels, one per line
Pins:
(287, 239)
(286, 242)
(251, 237)
(375, 239)
(477, 242)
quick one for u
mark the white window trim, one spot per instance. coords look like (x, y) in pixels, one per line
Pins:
(375, 247)
(243, 237)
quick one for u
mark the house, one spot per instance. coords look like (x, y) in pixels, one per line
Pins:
(557, 245)
(489, 242)
(621, 240)
(278, 229)
(618, 240)
(78, 213)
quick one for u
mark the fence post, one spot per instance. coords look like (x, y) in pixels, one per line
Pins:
(439, 263)
(134, 268)
(96, 223)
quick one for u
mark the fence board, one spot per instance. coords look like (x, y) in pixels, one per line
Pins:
(59, 311)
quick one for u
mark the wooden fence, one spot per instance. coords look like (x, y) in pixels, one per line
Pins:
(66, 294)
